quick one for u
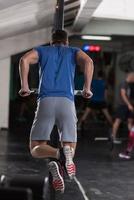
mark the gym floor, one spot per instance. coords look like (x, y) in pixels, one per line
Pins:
(101, 173)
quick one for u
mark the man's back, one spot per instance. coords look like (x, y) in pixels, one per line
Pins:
(57, 69)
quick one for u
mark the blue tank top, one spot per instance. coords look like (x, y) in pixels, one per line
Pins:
(57, 70)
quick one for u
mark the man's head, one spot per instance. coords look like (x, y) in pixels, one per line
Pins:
(130, 77)
(60, 37)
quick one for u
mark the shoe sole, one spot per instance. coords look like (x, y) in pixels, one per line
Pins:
(54, 166)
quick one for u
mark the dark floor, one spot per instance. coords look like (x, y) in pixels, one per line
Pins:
(102, 174)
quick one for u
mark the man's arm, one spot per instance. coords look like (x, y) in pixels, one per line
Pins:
(126, 100)
(29, 58)
(86, 65)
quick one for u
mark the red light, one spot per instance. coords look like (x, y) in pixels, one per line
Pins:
(92, 48)
(98, 48)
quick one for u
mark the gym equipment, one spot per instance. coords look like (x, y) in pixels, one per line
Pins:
(23, 187)
(15, 193)
(35, 183)
(3, 181)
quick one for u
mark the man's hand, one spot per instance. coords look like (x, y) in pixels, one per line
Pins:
(87, 93)
(131, 108)
(24, 92)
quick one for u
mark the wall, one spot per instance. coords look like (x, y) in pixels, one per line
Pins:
(11, 46)
(4, 91)
(20, 43)
(109, 27)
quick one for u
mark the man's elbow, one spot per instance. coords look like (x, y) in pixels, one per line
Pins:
(24, 60)
(89, 62)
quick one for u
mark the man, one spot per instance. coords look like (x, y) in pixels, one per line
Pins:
(56, 101)
(98, 101)
(125, 110)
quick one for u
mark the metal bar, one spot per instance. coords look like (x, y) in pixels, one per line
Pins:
(72, 9)
(71, 1)
(59, 15)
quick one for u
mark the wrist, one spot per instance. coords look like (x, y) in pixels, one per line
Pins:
(24, 83)
(86, 88)
(24, 86)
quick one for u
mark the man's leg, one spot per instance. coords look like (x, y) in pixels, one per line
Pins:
(40, 149)
(130, 145)
(67, 126)
(72, 146)
(130, 123)
(115, 128)
(41, 129)
(107, 115)
(131, 134)
(69, 153)
(84, 116)
(40, 134)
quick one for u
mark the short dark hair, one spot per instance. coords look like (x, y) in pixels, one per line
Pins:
(59, 36)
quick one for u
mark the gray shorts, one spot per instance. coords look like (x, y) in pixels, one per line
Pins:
(52, 111)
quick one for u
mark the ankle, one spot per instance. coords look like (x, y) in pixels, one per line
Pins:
(68, 152)
(128, 151)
